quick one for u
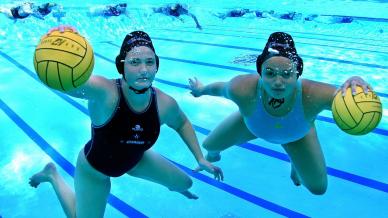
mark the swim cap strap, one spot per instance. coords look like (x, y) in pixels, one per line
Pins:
(139, 91)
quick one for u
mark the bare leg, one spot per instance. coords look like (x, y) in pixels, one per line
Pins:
(308, 163)
(155, 168)
(91, 189)
(64, 193)
(231, 131)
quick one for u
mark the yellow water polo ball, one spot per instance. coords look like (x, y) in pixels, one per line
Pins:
(357, 114)
(63, 61)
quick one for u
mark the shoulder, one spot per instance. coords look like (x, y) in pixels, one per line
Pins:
(243, 86)
(166, 103)
(163, 97)
(95, 88)
(103, 80)
(168, 107)
(103, 85)
(317, 96)
(317, 89)
(103, 89)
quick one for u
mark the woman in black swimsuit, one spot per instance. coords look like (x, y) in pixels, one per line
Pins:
(126, 115)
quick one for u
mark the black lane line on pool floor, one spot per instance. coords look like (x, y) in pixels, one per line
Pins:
(223, 186)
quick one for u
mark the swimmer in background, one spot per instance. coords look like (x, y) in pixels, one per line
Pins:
(233, 13)
(26, 9)
(18, 12)
(259, 14)
(329, 19)
(291, 16)
(263, 14)
(108, 10)
(245, 13)
(43, 10)
(288, 16)
(176, 10)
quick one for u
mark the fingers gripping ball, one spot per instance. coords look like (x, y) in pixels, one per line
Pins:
(357, 114)
(63, 61)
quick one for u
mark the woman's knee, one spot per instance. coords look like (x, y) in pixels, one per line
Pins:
(207, 145)
(318, 188)
(184, 184)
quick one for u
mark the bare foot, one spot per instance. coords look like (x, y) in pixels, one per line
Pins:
(46, 175)
(189, 195)
(295, 177)
(213, 157)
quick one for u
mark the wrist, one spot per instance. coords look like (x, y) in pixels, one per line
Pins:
(201, 159)
(202, 90)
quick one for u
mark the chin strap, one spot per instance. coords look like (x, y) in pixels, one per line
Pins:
(139, 91)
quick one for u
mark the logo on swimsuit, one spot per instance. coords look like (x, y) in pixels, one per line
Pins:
(135, 142)
(135, 137)
(137, 128)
